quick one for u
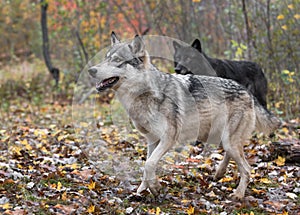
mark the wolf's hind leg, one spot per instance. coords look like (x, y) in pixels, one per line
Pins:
(221, 169)
(237, 154)
(241, 127)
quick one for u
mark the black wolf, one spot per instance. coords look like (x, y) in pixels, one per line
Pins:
(248, 74)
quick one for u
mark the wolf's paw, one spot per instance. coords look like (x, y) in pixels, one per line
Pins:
(236, 196)
(143, 186)
(153, 185)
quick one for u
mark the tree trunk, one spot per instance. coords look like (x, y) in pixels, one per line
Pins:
(53, 70)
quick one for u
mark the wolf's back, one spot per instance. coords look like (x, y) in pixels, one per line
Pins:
(266, 122)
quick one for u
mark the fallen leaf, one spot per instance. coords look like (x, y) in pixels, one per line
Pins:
(291, 195)
(265, 181)
(157, 211)
(64, 196)
(190, 210)
(6, 206)
(280, 161)
(92, 185)
(226, 179)
(59, 185)
(258, 191)
(91, 209)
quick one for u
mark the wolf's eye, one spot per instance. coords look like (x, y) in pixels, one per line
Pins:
(117, 60)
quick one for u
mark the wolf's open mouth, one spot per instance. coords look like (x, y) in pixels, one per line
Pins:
(106, 83)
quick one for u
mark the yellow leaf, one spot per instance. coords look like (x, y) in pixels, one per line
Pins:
(208, 161)
(25, 143)
(285, 130)
(277, 104)
(297, 16)
(16, 149)
(285, 71)
(265, 181)
(251, 213)
(226, 179)
(258, 191)
(61, 137)
(74, 166)
(64, 196)
(157, 211)
(284, 27)
(92, 185)
(184, 201)
(58, 186)
(290, 6)
(6, 206)
(291, 80)
(92, 13)
(190, 210)
(196, 1)
(280, 161)
(40, 133)
(280, 17)
(91, 209)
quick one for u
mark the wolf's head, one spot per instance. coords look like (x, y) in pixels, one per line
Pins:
(122, 59)
(191, 60)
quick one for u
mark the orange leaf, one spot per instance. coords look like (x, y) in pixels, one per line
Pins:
(91, 209)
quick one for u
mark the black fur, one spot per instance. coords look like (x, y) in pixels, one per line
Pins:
(246, 73)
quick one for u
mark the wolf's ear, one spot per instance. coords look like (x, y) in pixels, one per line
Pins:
(114, 39)
(137, 46)
(176, 45)
(197, 45)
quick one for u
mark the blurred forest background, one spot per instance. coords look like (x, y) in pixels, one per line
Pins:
(264, 31)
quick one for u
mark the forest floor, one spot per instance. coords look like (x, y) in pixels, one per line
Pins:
(49, 165)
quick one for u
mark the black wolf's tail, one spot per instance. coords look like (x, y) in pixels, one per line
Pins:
(266, 122)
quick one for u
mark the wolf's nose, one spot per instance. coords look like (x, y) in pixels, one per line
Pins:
(177, 70)
(92, 71)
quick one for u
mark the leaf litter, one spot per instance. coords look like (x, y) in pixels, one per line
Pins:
(47, 167)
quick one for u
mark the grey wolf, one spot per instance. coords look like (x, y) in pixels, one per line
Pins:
(189, 60)
(170, 108)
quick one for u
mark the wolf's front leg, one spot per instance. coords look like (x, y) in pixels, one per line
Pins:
(149, 179)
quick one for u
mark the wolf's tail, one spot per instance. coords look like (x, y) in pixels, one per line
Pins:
(266, 122)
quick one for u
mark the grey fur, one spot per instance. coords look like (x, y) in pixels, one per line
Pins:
(169, 109)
